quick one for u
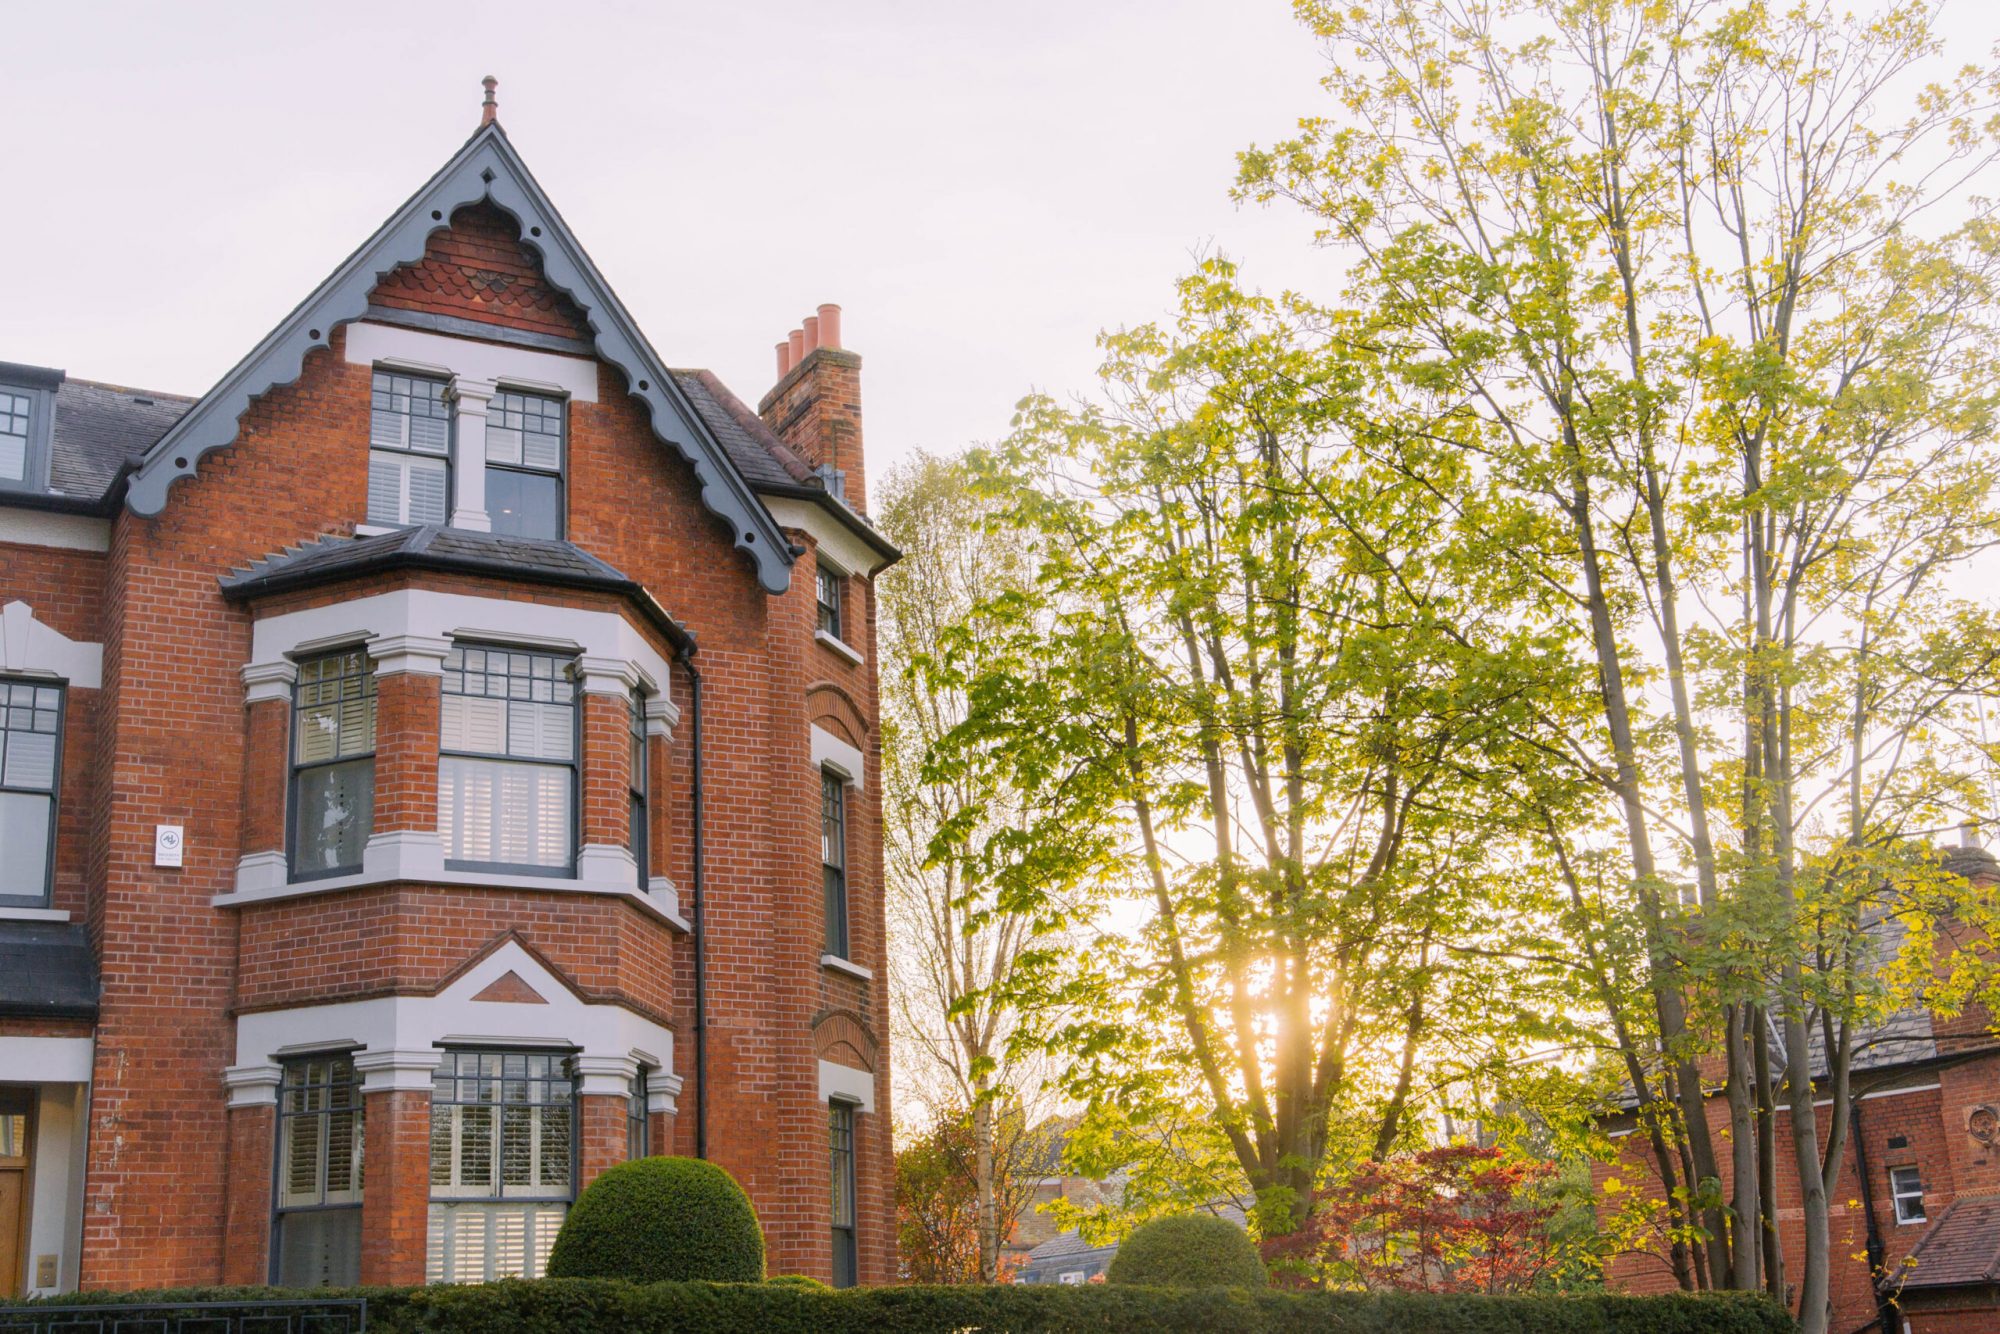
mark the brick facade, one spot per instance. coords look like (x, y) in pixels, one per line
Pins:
(1917, 1113)
(177, 1187)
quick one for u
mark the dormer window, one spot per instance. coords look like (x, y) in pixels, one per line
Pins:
(17, 420)
(409, 440)
(27, 401)
(524, 463)
(832, 588)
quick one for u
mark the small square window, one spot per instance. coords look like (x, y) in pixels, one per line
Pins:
(1906, 1187)
(832, 588)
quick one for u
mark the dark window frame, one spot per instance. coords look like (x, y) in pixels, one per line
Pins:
(638, 1124)
(53, 792)
(280, 1210)
(560, 472)
(832, 616)
(833, 861)
(567, 871)
(36, 455)
(448, 457)
(843, 1128)
(639, 789)
(295, 767)
(1898, 1196)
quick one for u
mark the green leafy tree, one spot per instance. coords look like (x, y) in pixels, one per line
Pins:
(1257, 691)
(1718, 314)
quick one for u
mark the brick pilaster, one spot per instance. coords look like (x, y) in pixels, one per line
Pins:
(247, 1227)
(266, 761)
(607, 768)
(395, 1203)
(603, 1138)
(406, 751)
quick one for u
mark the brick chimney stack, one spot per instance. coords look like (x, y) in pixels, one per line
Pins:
(815, 407)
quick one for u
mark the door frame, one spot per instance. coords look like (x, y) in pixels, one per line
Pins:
(21, 1100)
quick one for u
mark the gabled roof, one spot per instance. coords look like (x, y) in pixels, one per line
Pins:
(1961, 1249)
(486, 168)
(100, 428)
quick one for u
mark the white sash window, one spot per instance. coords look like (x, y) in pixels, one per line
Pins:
(409, 439)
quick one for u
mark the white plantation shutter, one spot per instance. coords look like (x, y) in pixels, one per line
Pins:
(478, 1243)
(406, 488)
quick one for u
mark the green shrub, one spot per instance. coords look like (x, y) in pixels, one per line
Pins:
(659, 1220)
(1189, 1251)
(798, 1281)
(602, 1306)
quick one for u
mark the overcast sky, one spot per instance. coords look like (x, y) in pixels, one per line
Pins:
(982, 186)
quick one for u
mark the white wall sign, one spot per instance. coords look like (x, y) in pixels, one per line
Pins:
(167, 843)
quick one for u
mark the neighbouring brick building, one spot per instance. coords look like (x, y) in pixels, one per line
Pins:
(438, 763)
(1917, 1204)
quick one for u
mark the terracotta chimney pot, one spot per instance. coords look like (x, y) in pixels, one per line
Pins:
(811, 327)
(829, 326)
(798, 346)
(784, 358)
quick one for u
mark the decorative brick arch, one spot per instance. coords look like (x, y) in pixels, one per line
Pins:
(831, 707)
(841, 1037)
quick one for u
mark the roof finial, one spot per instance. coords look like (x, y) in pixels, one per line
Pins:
(489, 111)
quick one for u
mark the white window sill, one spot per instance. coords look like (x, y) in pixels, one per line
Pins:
(243, 898)
(834, 963)
(841, 647)
(33, 915)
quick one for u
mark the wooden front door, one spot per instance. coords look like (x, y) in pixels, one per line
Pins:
(15, 1157)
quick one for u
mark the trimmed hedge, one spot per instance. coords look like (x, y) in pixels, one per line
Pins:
(1189, 1251)
(597, 1306)
(659, 1220)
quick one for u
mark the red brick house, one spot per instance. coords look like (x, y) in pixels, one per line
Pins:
(1918, 1198)
(438, 763)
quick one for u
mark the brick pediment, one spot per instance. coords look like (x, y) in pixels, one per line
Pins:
(510, 988)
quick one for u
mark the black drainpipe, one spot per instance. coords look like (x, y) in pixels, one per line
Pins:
(1877, 1251)
(700, 942)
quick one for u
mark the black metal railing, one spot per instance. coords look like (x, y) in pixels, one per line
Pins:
(337, 1315)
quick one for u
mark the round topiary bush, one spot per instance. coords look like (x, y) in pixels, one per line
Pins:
(1189, 1251)
(656, 1220)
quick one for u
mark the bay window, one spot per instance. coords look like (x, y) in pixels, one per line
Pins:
(31, 718)
(507, 774)
(503, 1163)
(333, 763)
(318, 1207)
(409, 448)
(524, 463)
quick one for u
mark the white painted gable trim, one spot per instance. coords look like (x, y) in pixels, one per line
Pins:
(498, 363)
(831, 538)
(400, 1037)
(34, 648)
